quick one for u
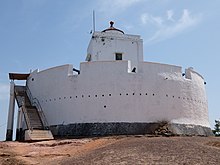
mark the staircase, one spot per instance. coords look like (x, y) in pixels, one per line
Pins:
(34, 118)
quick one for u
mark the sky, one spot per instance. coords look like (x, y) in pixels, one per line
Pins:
(38, 34)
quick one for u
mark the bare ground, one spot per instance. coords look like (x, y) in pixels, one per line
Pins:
(114, 150)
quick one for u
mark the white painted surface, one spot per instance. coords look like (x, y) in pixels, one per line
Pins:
(57, 90)
(103, 47)
(107, 91)
(11, 109)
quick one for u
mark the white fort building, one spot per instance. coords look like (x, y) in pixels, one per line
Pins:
(114, 92)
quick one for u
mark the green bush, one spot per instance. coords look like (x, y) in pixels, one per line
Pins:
(216, 130)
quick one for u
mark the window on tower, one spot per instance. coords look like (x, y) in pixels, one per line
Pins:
(118, 56)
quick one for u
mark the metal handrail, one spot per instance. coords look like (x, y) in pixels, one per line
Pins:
(35, 102)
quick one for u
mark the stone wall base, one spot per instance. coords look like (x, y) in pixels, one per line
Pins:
(108, 129)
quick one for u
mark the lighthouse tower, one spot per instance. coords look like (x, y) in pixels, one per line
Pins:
(115, 92)
(113, 45)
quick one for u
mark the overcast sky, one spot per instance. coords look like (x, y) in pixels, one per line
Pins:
(46, 33)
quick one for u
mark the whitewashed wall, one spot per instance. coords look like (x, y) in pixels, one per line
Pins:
(106, 91)
(103, 47)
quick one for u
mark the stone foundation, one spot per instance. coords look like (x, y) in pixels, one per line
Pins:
(188, 129)
(108, 129)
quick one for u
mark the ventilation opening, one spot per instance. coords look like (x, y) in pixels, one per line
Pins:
(118, 56)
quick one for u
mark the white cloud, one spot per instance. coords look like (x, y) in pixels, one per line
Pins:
(115, 6)
(149, 19)
(167, 27)
(158, 20)
(4, 91)
(145, 18)
(128, 27)
(170, 15)
(124, 3)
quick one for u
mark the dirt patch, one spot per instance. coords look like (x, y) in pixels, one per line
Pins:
(156, 150)
(214, 144)
(7, 158)
(114, 150)
(54, 144)
(3, 145)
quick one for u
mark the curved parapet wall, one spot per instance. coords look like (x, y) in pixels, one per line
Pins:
(107, 98)
(183, 98)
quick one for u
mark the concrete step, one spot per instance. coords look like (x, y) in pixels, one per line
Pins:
(36, 135)
(34, 118)
(36, 126)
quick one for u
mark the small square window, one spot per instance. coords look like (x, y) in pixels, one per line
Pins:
(118, 56)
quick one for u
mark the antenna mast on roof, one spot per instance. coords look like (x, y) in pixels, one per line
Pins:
(93, 19)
